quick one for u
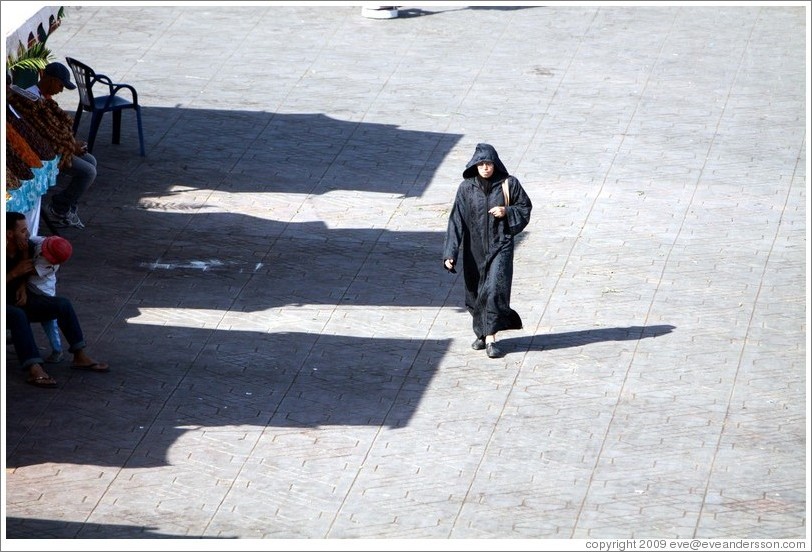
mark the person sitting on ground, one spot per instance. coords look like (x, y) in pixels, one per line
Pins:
(24, 307)
(49, 254)
(79, 165)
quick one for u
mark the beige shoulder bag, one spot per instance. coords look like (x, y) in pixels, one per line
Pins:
(506, 191)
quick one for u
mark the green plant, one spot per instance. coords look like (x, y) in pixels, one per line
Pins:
(30, 59)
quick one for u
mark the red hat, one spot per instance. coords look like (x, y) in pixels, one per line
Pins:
(56, 250)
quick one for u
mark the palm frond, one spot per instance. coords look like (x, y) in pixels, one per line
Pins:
(34, 58)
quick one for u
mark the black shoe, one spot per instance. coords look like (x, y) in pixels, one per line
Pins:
(494, 351)
(478, 344)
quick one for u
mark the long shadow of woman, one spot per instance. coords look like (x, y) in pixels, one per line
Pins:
(547, 342)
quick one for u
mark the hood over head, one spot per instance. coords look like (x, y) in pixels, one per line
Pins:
(485, 152)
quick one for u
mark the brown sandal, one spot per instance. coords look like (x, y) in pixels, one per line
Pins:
(42, 381)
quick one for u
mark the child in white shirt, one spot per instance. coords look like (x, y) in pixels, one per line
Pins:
(49, 254)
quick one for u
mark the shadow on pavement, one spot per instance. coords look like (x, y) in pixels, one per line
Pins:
(27, 528)
(181, 302)
(408, 13)
(547, 342)
(258, 151)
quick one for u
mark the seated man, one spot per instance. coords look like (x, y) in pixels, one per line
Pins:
(63, 208)
(23, 307)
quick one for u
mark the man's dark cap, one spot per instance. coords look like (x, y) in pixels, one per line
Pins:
(59, 71)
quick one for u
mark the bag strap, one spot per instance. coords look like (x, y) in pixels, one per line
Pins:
(506, 191)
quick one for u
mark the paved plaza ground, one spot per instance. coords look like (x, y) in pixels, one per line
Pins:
(291, 361)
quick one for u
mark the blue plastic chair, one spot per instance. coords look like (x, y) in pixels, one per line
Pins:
(97, 106)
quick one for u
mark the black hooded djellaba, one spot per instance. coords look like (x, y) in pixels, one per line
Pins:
(487, 242)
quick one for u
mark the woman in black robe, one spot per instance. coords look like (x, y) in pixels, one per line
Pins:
(483, 228)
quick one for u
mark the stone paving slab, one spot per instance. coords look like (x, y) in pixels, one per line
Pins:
(289, 359)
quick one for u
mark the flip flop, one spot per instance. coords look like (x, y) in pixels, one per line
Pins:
(95, 367)
(42, 381)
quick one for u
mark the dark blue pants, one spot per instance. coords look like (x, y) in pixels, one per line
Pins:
(82, 173)
(40, 308)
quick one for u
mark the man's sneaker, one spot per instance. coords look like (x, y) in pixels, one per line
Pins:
(72, 219)
(63, 220)
(55, 217)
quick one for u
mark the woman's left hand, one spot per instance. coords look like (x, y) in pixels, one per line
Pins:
(498, 212)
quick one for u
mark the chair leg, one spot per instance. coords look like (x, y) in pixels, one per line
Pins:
(117, 126)
(140, 131)
(77, 118)
(94, 128)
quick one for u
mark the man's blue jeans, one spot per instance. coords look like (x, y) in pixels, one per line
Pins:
(82, 173)
(40, 308)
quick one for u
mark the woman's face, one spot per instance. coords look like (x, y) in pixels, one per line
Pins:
(485, 169)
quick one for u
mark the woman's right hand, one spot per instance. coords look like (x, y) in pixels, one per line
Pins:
(449, 265)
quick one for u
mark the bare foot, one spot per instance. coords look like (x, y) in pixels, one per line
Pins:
(82, 361)
(38, 377)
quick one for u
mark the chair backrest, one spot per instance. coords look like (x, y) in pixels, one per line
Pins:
(84, 77)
